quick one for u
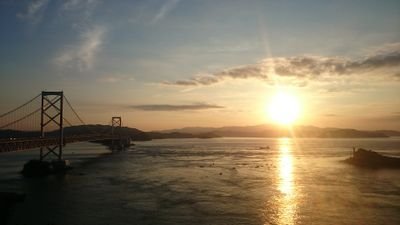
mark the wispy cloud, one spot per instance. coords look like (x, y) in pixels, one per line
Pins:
(82, 56)
(166, 8)
(385, 61)
(167, 107)
(331, 115)
(387, 118)
(78, 12)
(243, 72)
(115, 78)
(34, 11)
(77, 4)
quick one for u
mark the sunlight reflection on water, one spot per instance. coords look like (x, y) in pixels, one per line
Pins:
(210, 181)
(288, 201)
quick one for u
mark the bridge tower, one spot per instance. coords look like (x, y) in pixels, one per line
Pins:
(52, 115)
(116, 123)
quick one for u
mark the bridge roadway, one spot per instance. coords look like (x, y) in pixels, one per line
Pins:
(12, 145)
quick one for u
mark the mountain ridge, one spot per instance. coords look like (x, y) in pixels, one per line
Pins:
(261, 131)
(266, 130)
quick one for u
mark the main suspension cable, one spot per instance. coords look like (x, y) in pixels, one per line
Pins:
(20, 119)
(33, 99)
(73, 110)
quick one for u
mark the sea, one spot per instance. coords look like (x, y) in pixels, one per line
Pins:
(219, 181)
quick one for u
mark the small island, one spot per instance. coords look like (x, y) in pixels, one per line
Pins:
(370, 159)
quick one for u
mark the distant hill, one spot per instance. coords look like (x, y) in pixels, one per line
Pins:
(392, 133)
(208, 132)
(266, 130)
(190, 130)
(135, 134)
(79, 130)
(164, 135)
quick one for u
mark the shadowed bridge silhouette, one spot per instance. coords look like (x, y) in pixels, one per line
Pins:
(40, 123)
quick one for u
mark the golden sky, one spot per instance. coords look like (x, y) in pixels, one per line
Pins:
(170, 64)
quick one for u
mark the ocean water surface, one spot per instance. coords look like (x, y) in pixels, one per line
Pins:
(210, 181)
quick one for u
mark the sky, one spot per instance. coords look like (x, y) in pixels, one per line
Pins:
(164, 64)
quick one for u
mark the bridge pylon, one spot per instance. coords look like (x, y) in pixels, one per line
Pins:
(52, 115)
(116, 123)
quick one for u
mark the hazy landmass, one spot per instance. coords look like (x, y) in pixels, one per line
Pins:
(390, 133)
(209, 132)
(274, 131)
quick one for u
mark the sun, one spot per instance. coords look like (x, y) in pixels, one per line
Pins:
(284, 108)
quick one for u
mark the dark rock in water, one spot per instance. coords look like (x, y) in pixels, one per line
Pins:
(7, 201)
(370, 159)
(37, 168)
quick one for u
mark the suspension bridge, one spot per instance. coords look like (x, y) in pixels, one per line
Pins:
(41, 122)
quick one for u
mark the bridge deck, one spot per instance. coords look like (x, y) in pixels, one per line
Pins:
(11, 145)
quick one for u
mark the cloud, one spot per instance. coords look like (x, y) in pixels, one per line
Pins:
(84, 53)
(385, 61)
(34, 11)
(331, 115)
(387, 118)
(79, 12)
(243, 72)
(166, 107)
(115, 78)
(77, 4)
(166, 8)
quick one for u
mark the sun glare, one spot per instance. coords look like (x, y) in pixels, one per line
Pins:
(284, 108)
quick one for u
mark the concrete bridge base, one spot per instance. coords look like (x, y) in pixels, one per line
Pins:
(38, 168)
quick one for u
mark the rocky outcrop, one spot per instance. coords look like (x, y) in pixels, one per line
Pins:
(370, 159)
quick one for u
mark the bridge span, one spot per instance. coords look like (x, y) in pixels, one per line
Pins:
(39, 124)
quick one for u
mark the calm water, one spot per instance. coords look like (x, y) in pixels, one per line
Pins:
(213, 181)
